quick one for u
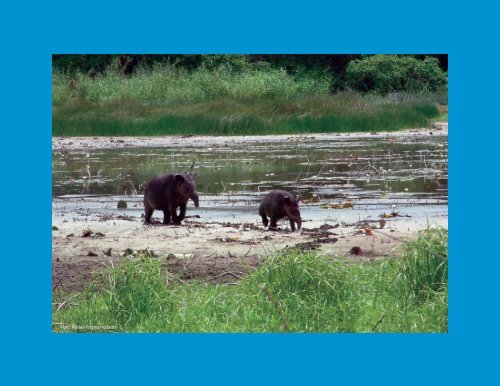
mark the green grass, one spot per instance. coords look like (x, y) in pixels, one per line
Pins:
(406, 117)
(167, 84)
(168, 100)
(424, 267)
(292, 291)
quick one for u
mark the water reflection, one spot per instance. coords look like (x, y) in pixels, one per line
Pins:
(415, 167)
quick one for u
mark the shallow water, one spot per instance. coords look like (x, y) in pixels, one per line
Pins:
(373, 173)
(413, 167)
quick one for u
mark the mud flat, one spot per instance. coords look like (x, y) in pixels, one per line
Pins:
(84, 242)
(88, 143)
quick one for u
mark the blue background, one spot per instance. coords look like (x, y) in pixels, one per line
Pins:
(30, 33)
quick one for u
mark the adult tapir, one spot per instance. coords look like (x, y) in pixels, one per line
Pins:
(167, 193)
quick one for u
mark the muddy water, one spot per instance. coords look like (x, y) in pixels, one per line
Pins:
(379, 174)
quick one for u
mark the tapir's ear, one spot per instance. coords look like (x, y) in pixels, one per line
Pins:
(287, 201)
(179, 178)
(297, 199)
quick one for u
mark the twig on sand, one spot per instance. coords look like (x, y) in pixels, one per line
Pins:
(206, 257)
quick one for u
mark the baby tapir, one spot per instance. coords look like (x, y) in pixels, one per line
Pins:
(278, 204)
(166, 193)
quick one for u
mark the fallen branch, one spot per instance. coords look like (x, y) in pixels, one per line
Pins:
(206, 257)
(225, 273)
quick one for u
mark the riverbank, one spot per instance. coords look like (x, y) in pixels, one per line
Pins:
(61, 144)
(88, 236)
(222, 246)
(227, 235)
(294, 290)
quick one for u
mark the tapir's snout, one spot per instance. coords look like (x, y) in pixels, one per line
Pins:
(196, 199)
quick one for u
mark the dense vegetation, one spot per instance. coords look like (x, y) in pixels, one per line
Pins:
(385, 74)
(231, 94)
(291, 291)
(292, 63)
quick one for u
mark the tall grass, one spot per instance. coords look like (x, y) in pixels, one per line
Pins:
(167, 84)
(406, 117)
(424, 266)
(136, 291)
(220, 101)
(292, 291)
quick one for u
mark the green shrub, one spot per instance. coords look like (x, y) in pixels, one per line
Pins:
(388, 73)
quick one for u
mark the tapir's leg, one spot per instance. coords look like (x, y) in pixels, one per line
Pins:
(262, 214)
(173, 212)
(166, 216)
(148, 212)
(273, 224)
(182, 214)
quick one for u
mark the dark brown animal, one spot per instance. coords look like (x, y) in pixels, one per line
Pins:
(278, 204)
(168, 192)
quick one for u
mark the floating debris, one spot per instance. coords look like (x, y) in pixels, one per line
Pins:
(345, 205)
(311, 200)
(393, 214)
